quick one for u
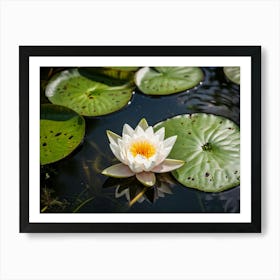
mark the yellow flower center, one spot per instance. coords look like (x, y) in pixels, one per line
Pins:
(143, 148)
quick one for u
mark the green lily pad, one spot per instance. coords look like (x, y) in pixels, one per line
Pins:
(61, 132)
(233, 74)
(167, 80)
(86, 96)
(210, 146)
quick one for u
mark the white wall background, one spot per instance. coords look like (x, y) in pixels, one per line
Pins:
(139, 256)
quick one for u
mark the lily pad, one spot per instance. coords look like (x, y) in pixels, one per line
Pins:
(233, 74)
(210, 146)
(167, 80)
(86, 96)
(61, 132)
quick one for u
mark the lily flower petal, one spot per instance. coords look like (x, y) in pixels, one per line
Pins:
(119, 170)
(127, 130)
(148, 165)
(146, 178)
(168, 165)
(167, 147)
(169, 142)
(117, 152)
(143, 124)
(139, 131)
(113, 137)
(149, 132)
(160, 133)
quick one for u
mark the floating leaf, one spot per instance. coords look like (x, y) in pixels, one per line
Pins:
(61, 132)
(210, 146)
(86, 96)
(167, 80)
(233, 74)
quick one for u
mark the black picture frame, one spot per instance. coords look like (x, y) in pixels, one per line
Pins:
(254, 52)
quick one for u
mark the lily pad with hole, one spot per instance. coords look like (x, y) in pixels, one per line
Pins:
(61, 132)
(210, 147)
(86, 94)
(167, 80)
(233, 74)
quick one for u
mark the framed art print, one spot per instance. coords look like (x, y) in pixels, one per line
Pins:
(140, 138)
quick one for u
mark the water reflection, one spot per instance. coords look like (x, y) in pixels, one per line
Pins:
(215, 96)
(228, 201)
(134, 191)
(78, 181)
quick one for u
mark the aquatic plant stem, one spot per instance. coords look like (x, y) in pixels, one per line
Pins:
(82, 204)
(139, 195)
(44, 209)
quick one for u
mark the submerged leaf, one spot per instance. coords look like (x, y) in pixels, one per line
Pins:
(119, 75)
(125, 68)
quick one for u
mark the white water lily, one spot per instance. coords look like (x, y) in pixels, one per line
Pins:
(142, 152)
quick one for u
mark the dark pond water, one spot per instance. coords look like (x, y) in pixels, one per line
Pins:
(75, 183)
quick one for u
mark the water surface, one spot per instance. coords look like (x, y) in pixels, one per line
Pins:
(77, 183)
